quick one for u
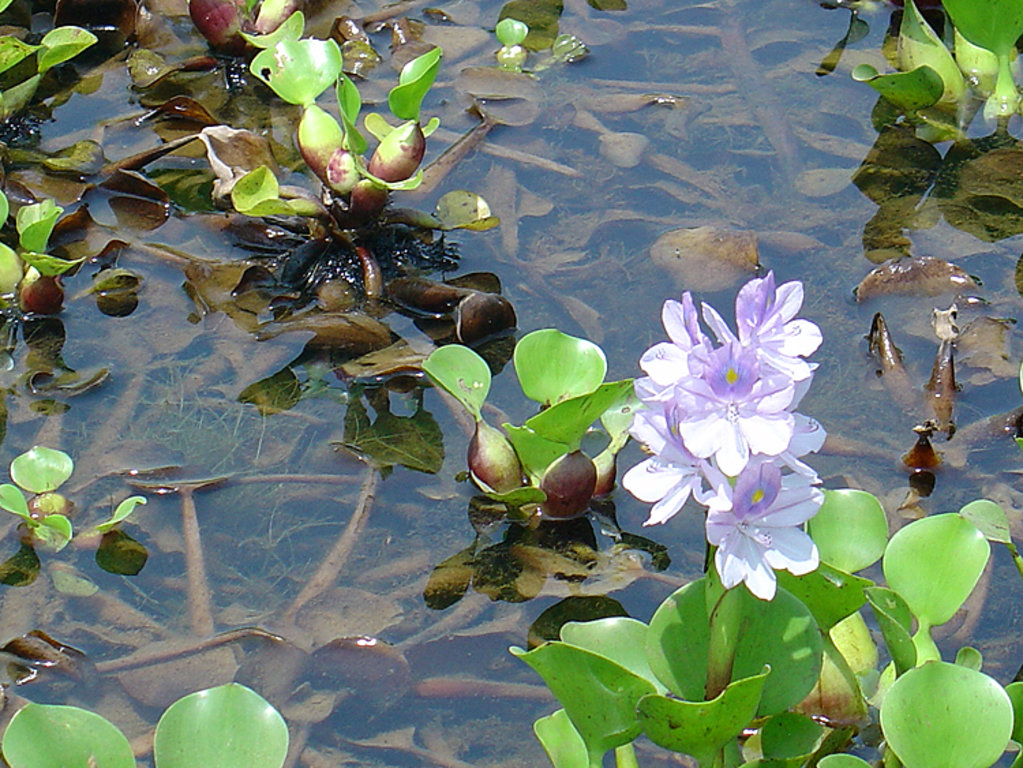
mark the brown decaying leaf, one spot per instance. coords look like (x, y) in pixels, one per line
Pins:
(915, 276)
(706, 258)
(233, 153)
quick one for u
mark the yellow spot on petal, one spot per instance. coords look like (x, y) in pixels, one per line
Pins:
(758, 495)
(732, 376)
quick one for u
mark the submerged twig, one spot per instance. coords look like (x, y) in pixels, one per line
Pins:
(335, 560)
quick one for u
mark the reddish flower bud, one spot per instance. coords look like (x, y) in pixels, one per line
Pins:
(219, 21)
(399, 154)
(568, 482)
(493, 463)
(40, 294)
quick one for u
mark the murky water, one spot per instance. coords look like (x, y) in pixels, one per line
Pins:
(742, 135)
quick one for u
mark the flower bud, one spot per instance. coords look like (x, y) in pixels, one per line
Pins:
(568, 482)
(49, 503)
(219, 21)
(399, 154)
(493, 463)
(342, 174)
(367, 200)
(273, 13)
(40, 294)
(319, 136)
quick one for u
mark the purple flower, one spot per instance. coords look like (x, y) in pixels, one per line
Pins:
(669, 361)
(668, 477)
(756, 527)
(764, 316)
(732, 411)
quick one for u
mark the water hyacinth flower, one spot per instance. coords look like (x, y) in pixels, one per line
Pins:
(669, 477)
(721, 414)
(756, 526)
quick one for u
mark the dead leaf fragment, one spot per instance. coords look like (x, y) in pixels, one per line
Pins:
(916, 276)
(706, 258)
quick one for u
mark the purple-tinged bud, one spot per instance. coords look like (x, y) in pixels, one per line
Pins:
(367, 200)
(493, 463)
(219, 21)
(605, 464)
(568, 482)
(399, 154)
(342, 173)
(273, 13)
(319, 137)
(40, 294)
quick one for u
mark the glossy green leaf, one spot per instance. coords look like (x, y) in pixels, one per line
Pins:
(843, 761)
(511, 31)
(598, 695)
(1015, 693)
(13, 51)
(54, 531)
(850, 529)
(290, 29)
(377, 126)
(536, 453)
(970, 658)
(123, 510)
(256, 194)
(971, 712)
(298, 70)
(17, 98)
(619, 638)
(229, 726)
(920, 46)
(13, 500)
(788, 735)
(61, 44)
(909, 91)
(553, 366)
(461, 373)
(41, 469)
(896, 622)
(5, 208)
(567, 421)
(830, 594)
(934, 563)
(35, 223)
(415, 80)
(989, 518)
(701, 728)
(561, 741)
(349, 103)
(780, 633)
(48, 265)
(992, 24)
(50, 736)
(541, 16)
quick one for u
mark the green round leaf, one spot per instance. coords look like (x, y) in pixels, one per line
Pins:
(992, 24)
(599, 696)
(13, 500)
(843, 761)
(850, 529)
(124, 509)
(971, 712)
(989, 518)
(780, 633)
(1015, 691)
(47, 736)
(35, 223)
(41, 469)
(298, 70)
(511, 31)
(619, 638)
(461, 373)
(290, 29)
(934, 563)
(255, 187)
(61, 44)
(701, 728)
(553, 366)
(561, 741)
(229, 726)
(461, 209)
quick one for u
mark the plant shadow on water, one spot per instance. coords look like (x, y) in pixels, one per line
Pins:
(306, 530)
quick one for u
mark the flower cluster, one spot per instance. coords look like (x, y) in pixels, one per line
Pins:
(720, 425)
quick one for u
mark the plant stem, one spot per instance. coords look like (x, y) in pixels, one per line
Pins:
(1015, 558)
(625, 756)
(725, 619)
